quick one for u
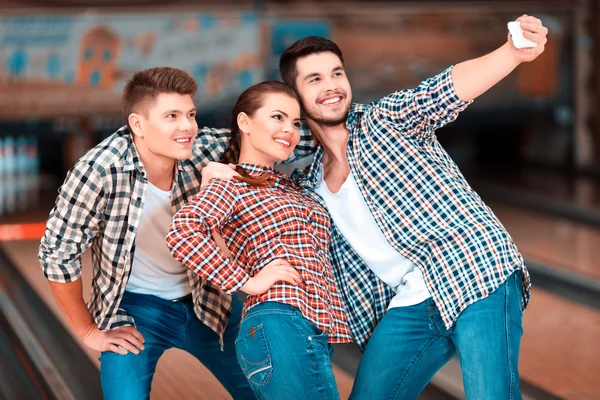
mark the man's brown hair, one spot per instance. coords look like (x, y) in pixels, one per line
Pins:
(145, 86)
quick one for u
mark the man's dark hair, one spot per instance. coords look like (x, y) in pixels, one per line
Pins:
(302, 48)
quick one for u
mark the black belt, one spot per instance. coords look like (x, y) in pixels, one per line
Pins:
(184, 298)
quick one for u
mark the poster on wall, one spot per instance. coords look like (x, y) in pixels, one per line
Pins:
(72, 65)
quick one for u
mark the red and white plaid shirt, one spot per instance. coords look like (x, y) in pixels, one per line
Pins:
(259, 225)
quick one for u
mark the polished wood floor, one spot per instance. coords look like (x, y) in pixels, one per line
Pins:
(560, 349)
(578, 190)
(179, 376)
(557, 242)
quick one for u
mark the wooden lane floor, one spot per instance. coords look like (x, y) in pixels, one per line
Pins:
(556, 242)
(578, 190)
(560, 352)
(178, 374)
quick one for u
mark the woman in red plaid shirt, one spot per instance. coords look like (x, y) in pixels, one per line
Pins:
(279, 244)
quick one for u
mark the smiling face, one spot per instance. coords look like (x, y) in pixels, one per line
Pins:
(165, 127)
(323, 88)
(272, 132)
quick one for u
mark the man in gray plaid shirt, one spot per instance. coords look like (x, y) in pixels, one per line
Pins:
(119, 199)
(425, 268)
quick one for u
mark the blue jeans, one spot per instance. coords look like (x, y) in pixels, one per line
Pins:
(284, 356)
(166, 324)
(411, 344)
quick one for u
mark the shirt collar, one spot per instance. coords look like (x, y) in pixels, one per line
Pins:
(312, 177)
(133, 162)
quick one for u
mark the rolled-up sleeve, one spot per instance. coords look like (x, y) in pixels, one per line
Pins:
(190, 236)
(73, 223)
(422, 110)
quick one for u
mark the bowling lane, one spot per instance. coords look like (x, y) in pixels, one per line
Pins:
(555, 242)
(578, 190)
(560, 351)
(558, 354)
(178, 375)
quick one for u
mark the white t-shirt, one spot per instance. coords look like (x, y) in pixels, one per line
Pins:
(352, 217)
(154, 270)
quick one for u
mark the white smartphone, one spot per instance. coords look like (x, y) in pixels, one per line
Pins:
(514, 27)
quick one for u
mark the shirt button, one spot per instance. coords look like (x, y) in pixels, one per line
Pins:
(310, 338)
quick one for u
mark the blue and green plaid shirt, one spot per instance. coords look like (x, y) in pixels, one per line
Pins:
(423, 205)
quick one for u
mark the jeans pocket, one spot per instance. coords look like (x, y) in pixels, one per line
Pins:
(253, 354)
(517, 276)
(321, 339)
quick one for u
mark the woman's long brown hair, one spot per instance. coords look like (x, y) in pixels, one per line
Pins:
(249, 101)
